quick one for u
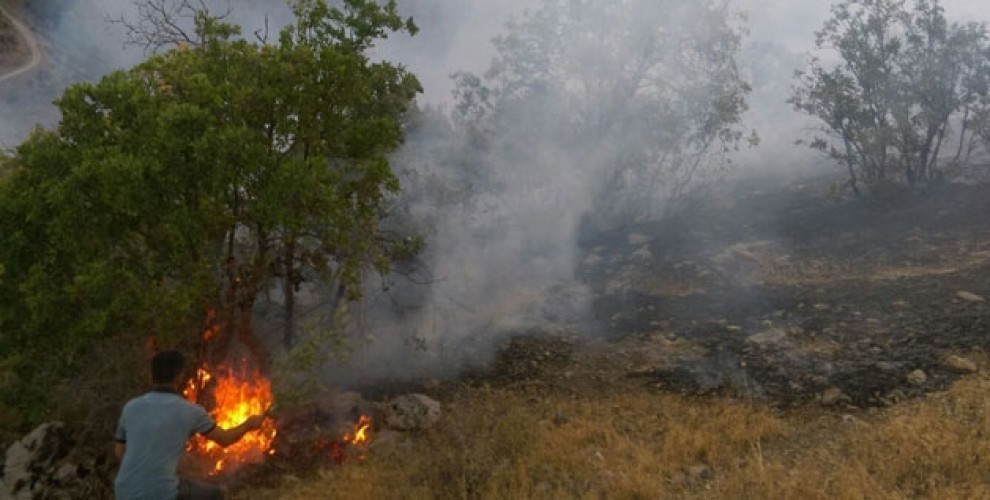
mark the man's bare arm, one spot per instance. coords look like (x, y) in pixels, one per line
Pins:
(119, 449)
(227, 437)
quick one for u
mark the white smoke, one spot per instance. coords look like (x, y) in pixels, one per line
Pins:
(498, 260)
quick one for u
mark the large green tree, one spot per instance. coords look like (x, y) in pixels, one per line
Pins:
(906, 83)
(217, 170)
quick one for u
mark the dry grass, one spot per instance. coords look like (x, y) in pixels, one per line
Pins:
(640, 444)
(933, 448)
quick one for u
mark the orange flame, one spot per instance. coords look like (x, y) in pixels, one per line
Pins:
(360, 435)
(236, 398)
(352, 445)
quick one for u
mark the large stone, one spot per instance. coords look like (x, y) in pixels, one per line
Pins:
(917, 378)
(834, 396)
(340, 403)
(412, 412)
(960, 364)
(970, 297)
(33, 465)
(769, 338)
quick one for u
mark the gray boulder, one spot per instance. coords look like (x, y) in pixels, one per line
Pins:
(412, 412)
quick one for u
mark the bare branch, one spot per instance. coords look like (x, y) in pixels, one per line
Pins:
(162, 24)
(262, 38)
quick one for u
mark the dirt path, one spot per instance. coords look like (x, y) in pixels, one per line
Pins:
(32, 43)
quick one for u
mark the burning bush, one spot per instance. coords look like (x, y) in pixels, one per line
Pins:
(230, 398)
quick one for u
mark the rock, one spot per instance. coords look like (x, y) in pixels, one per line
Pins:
(643, 254)
(593, 259)
(66, 472)
(960, 364)
(639, 239)
(384, 439)
(822, 307)
(340, 403)
(917, 378)
(615, 286)
(768, 338)
(970, 297)
(833, 397)
(849, 419)
(329, 413)
(887, 366)
(412, 412)
(895, 396)
(35, 466)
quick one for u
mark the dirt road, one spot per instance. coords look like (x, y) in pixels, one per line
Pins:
(32, 43)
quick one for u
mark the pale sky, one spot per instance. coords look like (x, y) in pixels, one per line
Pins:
(455, 34)
(793, 22)
(465, 43)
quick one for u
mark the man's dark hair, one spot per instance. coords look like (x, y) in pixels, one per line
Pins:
(166, 366)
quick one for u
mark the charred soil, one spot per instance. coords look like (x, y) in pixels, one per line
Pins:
(779, 296)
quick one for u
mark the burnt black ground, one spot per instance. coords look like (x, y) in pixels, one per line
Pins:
(884, 303)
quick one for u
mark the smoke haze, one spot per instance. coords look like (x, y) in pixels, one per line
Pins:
(454, 36)
(505, 259)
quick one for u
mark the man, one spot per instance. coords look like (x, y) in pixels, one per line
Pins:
(152, 434)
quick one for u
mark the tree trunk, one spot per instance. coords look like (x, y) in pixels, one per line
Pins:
(234, 319)
(289, 289)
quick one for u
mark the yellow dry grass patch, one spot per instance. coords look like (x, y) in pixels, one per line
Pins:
(508, 444)
(497, 444)
(936, 447)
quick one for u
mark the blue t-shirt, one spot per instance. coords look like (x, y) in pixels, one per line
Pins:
(155, 428)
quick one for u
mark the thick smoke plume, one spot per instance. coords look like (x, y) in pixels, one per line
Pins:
(591, 117)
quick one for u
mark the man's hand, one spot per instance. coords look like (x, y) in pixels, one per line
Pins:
(227, 437)
(254, 422)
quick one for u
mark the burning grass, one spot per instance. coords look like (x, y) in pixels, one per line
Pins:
(234, 396)
(640, 444)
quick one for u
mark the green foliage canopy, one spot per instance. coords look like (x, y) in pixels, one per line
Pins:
(905, 78)
(125, 217)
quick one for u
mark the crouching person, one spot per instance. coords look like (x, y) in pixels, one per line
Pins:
(152, 434)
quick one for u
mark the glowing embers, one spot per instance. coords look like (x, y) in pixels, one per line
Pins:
(352, 446)
(230, 398)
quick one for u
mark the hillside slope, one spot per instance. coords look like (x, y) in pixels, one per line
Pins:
(20, 51)
(771, 343)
